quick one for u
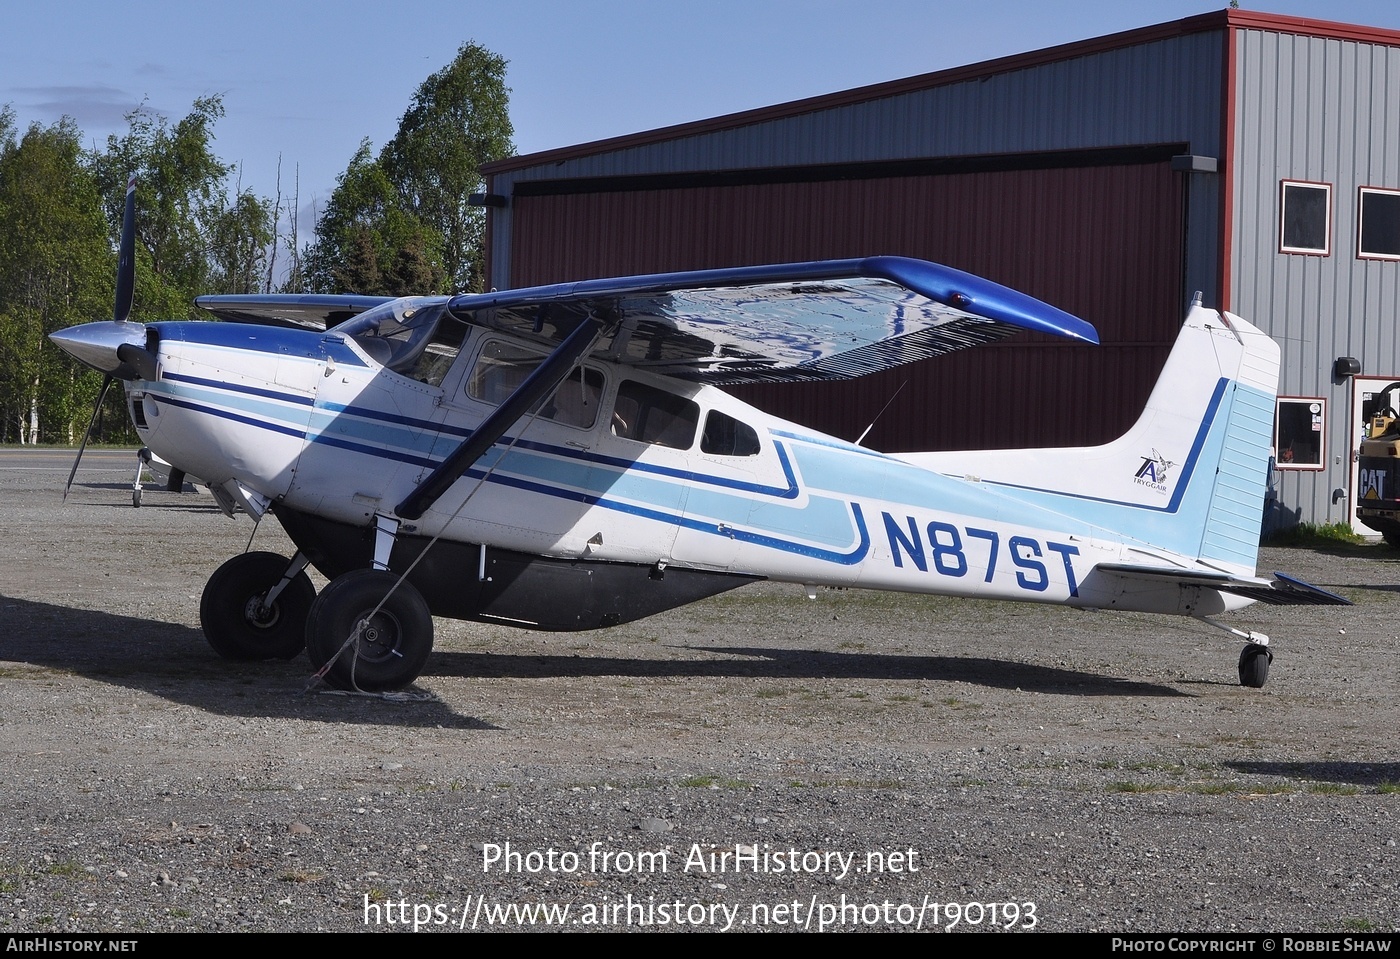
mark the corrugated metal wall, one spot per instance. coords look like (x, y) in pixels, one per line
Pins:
(1164, 91)
(1328, 110)
(1102, 242)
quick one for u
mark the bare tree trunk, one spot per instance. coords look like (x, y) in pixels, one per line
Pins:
(276, 220)
(33, 414)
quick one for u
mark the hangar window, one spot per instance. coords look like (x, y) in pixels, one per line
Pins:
(1298, 432)
(1306, 219)
(1378, 234)
(654, 416)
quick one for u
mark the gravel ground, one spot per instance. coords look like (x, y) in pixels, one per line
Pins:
(754, 761)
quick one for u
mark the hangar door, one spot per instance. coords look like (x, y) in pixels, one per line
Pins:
(1099, 235)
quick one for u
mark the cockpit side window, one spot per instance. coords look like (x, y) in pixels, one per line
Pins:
(501, 367)
(650, 415)
(726, 436)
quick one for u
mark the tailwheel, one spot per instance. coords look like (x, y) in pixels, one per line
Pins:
(386, 649)
(240, 622)
(1254, 665)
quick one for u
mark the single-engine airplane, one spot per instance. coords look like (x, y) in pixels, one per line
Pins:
(563, 458)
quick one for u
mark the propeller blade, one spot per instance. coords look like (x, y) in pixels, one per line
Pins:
(101, 395)
(126, 256)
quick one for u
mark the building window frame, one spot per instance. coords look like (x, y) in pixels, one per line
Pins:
(1390, 210)
(1296, 420)
(1297, 217)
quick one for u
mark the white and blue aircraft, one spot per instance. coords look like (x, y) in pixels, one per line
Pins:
(563, 458)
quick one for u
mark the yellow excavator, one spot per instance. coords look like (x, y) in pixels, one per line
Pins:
(1378, 468)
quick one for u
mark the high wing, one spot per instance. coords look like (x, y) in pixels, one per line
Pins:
(296, 311)
(823, 320)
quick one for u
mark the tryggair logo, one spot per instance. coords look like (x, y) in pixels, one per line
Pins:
(1153, 472)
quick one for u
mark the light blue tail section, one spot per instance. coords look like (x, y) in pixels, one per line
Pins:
(1188, 477)
(1236, 509)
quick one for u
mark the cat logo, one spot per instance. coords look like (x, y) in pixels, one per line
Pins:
(1373, 484)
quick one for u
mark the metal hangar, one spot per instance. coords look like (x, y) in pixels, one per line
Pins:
(1252, 157)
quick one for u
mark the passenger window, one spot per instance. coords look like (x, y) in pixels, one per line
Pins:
(649, 415)
(502, 367)
(726, 436)
(575, 403)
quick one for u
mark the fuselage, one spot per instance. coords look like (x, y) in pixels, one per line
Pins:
(617, 467)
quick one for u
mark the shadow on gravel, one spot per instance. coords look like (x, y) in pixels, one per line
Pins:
(800, 664)
(1375, 587)
(1354, 774)
(175, 663)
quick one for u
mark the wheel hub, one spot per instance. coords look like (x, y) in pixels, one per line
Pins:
(379, 638)
(258, 614)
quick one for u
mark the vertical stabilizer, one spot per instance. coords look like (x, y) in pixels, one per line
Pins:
(1190, 474)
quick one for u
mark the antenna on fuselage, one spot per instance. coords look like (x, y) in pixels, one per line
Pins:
(861, 439)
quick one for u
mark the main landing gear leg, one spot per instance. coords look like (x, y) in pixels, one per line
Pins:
(369, 630)
(1254, 658)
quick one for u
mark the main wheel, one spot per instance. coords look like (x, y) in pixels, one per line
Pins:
(393, 645)
(1254, 665)
(236, 619)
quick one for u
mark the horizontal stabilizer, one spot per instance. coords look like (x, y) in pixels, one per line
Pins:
(1282, 590)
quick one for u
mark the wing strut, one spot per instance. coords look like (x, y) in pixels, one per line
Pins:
(539, 384)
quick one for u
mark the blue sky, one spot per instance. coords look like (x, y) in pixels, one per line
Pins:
(307, 81)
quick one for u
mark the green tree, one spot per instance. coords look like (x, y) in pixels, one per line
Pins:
(366, 241)
(400, 223)
(191, 237)
(239, 237)
(459, 119)
(56, 267)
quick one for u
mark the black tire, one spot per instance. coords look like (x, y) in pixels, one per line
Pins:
(395, 645)
(136, 498)
(1254, 665)
(235, 621)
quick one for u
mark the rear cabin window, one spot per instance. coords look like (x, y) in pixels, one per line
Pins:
(649, 415)
(502, 367)
(726, 436)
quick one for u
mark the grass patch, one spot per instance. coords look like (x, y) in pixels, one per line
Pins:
(1315, 536)
(301, 875)
(1333, 789)
(771, 693)
(1126, 787)
(69, 868)
(1388, 789)
(714, 782)
(1215, 788)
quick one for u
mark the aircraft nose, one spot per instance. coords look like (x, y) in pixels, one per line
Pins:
(115, 348)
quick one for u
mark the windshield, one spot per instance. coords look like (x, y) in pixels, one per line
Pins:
(397, 334)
